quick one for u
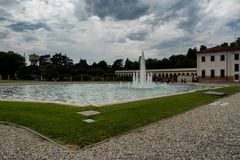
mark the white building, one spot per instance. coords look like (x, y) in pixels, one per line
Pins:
(219, 64)
(178, 74)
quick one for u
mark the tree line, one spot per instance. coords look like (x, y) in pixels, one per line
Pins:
(60, 67)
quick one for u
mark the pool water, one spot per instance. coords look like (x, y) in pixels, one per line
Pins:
(88, 94)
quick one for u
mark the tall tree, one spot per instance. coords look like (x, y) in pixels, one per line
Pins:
(49, 72)
(192, 53)
(103, 65)
(10, 62)
(63, 64)
(44, 59)
(118, 64)
(61, 60)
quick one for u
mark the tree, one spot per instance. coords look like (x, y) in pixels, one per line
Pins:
(128, 64)
(202, 47)
(192, 53)
(233, 44)
(151, 63)
(61, 60)
(10, 62)
(44, 59)
(225, 44)
(63, 64)
(82, 67)
(24, 73)
(238, 41)
(103, 65)
(118, 64)
(49, 72)
(83, 64)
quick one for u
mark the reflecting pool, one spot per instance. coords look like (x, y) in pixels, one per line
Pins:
(88, 93)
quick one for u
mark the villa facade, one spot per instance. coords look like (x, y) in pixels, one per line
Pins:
(219, 64)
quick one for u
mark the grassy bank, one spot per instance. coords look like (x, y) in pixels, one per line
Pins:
(63, 125)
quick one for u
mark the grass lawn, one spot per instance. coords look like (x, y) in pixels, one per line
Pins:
(15, 81)
(63, 125)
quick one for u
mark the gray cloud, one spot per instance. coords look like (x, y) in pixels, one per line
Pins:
(137, 36)
(234, 24)
(4, 15)
(2, 19)
(8, 2)
(5, 3)
(24, 26)
(120, 9)
(3, 35)
(191, 11)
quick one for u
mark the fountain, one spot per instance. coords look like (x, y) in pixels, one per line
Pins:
(142, 79)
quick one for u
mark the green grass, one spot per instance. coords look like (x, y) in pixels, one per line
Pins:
(63, 125)
(15, 81)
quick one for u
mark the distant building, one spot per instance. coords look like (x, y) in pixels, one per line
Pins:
(219, 64)
(34, 59)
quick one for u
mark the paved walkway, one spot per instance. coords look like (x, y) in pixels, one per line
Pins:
(208, 132)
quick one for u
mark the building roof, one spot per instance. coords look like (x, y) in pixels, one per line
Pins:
(218, 49)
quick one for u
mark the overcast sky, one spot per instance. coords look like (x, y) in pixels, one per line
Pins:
(110, 29)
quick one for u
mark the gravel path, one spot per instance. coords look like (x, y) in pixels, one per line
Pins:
(208, 132)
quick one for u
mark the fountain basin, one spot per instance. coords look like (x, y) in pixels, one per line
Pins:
(89, 93)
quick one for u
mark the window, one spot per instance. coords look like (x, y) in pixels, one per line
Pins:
(222, 57)
(236, 56)
(203, 59)
(236, 67)
(236, 77)
(222, 72)
(203, 73)
(212, 58)
(212, 73)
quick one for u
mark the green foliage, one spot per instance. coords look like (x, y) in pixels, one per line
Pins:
(65, 126)
(131, 65)
(202, 47)
(118, 64)
(61, 60)
(102, 65)
(238, 41)
(28, 72)
(225, 44)
(10, 62)
(49, 72)
(44, 59)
